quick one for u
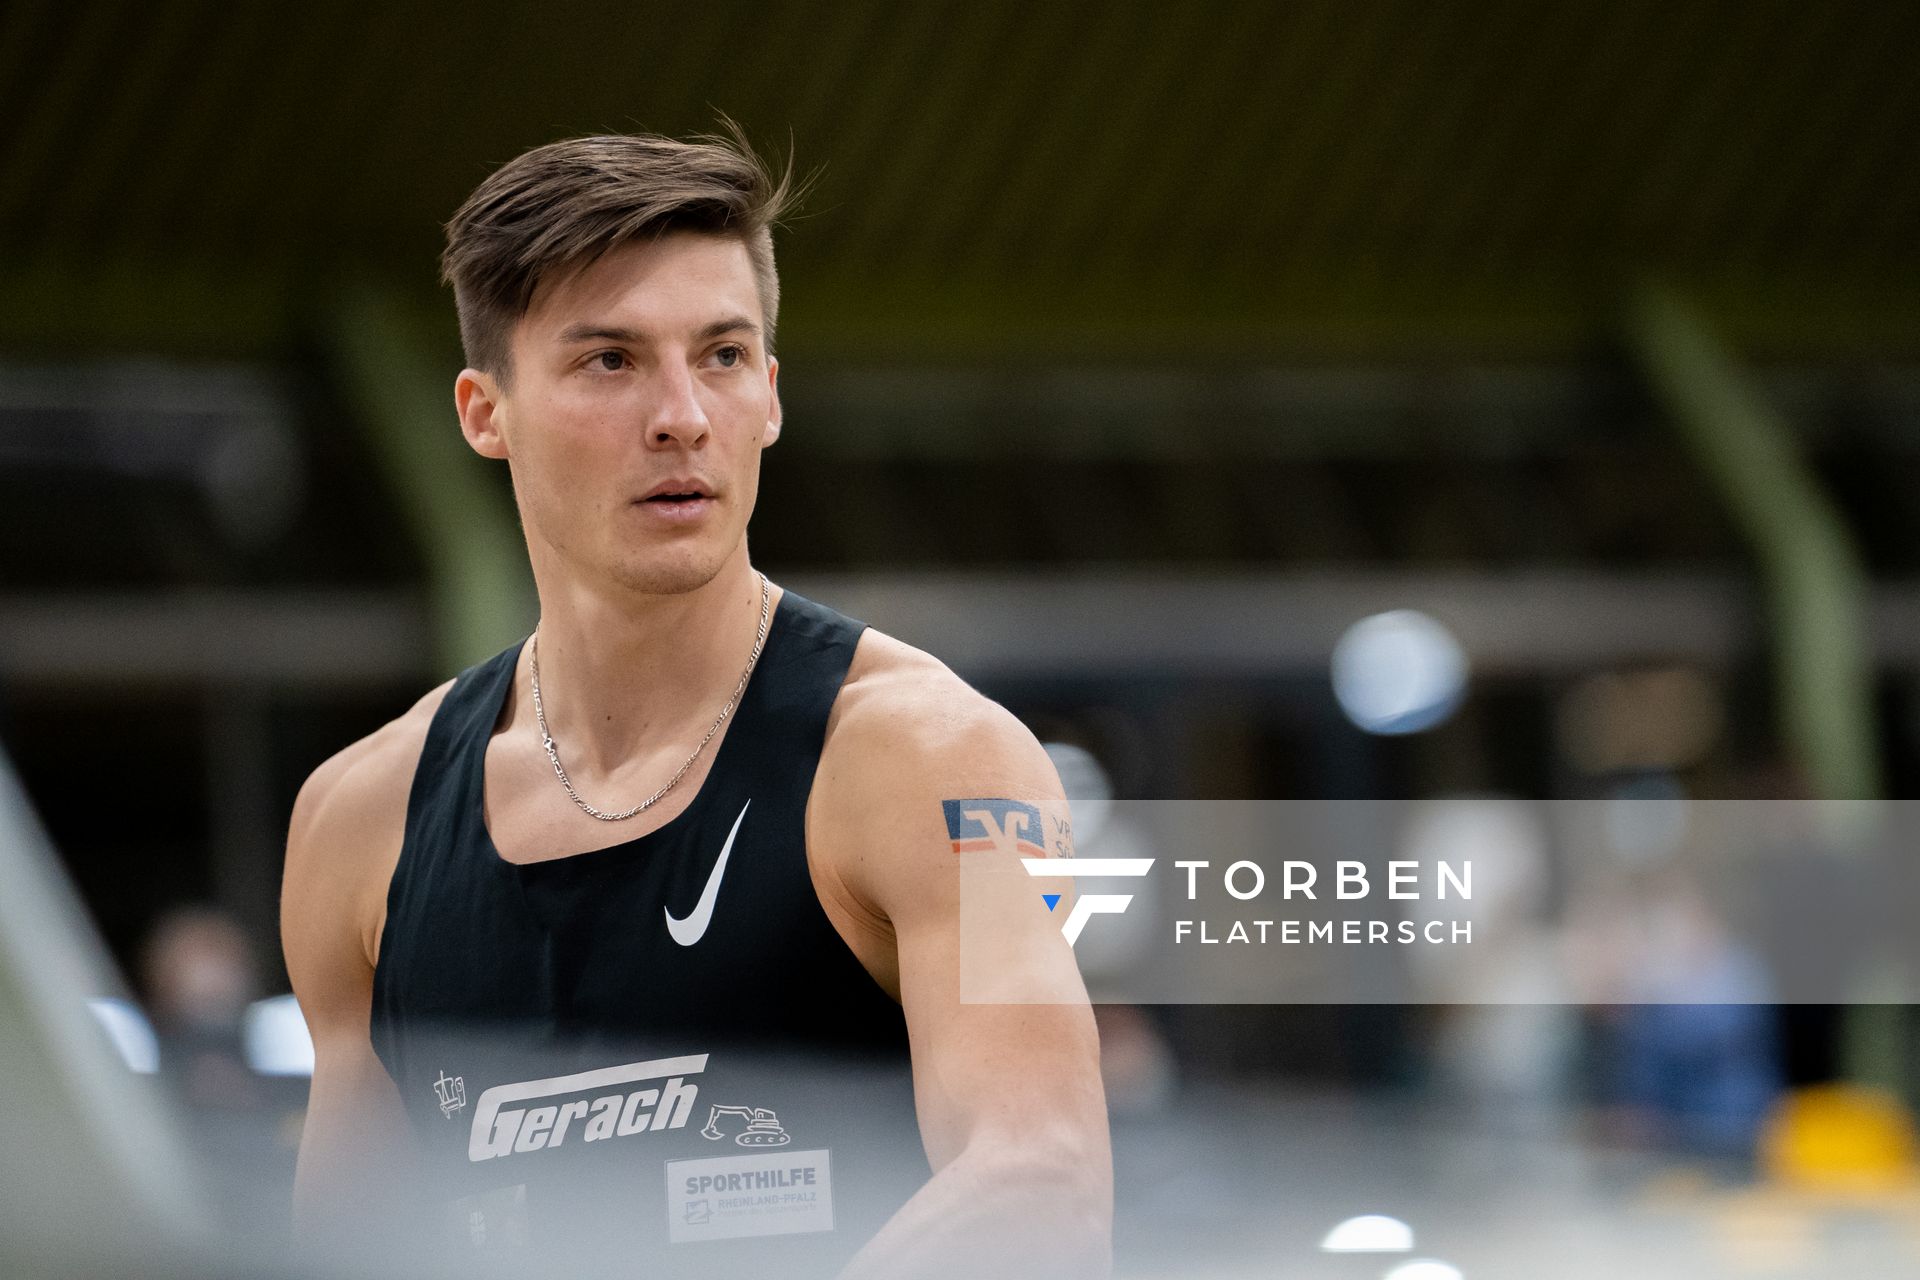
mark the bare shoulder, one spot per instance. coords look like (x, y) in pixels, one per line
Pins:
(902, 710)
(918, 764)
(344, 836)
(911, 747)
(909, 742)
(363, 783)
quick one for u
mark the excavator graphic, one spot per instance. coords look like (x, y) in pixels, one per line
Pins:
(763, 1127)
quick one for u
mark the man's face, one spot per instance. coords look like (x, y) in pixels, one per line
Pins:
(641, 395)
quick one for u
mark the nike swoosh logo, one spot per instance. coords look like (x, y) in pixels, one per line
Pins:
(694, 927)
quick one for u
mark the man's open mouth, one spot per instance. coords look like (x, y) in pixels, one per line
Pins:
(682, 500)
(677, 491)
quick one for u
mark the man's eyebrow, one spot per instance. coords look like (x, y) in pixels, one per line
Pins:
(597, 333)
(732, 324)
(589, 332)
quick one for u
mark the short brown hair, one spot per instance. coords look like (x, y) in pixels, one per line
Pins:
(559, 207)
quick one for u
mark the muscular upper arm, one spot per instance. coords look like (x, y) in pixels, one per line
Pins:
(342, 844)
(324, 928)
(1024, 1077)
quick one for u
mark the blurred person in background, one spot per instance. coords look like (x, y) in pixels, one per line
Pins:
(1688, 1046)
(692, 818)
(200, 975)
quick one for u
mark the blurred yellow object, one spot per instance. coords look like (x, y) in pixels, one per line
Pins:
(1839, 1137)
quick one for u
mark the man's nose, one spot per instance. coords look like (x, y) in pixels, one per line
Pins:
(677, 416)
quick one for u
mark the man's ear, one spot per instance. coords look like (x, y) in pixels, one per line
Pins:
(476, 396)
(774, 414)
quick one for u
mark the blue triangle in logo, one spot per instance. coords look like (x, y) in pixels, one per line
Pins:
(1051, 899)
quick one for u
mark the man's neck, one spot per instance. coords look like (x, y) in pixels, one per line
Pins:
(622, 675)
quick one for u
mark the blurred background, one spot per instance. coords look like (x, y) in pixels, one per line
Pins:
(1309, 400)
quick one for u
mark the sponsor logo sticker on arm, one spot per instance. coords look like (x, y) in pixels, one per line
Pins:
(992, 824)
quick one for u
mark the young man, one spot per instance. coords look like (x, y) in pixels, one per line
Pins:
(691, 820)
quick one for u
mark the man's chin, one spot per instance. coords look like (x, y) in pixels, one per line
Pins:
(670, 576)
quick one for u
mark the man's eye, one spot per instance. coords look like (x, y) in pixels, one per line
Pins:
(731, 357)
(610, 361)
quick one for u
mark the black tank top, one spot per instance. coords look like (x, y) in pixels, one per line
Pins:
(659, 1051)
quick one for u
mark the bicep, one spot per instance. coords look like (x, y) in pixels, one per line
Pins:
(1002, 1035)
(354, 1121)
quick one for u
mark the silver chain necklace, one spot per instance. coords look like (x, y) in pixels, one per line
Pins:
(553, 754)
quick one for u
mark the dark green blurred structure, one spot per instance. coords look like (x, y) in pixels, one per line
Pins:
(1002, 180)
